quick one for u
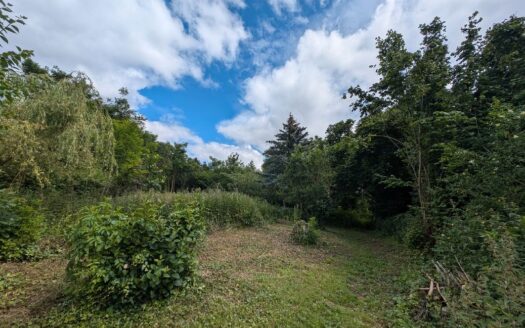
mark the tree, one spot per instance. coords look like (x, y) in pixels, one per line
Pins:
(10, 60)
(119, 108)
(465, 74)
(55, 137)
(307, 179)
(289, 137)
(336, 132)
(503, 75)
(129, 148)
(29, 66)
(413, 89)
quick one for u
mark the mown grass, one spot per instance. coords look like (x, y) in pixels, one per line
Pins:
(250, 277)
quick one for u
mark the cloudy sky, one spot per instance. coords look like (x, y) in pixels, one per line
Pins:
(222, 75)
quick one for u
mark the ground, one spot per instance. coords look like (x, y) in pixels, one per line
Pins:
(248, 277)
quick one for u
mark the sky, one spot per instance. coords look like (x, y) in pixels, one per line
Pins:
(222, 75)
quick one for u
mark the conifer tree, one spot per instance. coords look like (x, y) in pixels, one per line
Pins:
(289, 137)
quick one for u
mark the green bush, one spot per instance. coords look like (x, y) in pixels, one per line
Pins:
(20, 228)
(305, 233)
(232, 208)
(220, 208)
(133, 255)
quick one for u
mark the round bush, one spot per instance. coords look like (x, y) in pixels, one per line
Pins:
(20, 228)
(133, 255)
(305, 233)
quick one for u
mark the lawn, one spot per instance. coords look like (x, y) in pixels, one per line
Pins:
(249, 277)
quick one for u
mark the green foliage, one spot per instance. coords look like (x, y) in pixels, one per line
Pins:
(503, 71)
(10, 60)
(495, 298)
(360, 216)
(133, 255)
(289, 137)
(8, 285)
(56, 136)
(233, 208)
(219, 208)
(457, 153)
(307, 179)
(305, 233)
(181, 172)
(129, 149)
(20, 227)
(233, 175)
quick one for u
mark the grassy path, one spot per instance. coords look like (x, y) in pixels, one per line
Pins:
(249, 277)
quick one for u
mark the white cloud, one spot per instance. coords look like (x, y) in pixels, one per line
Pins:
(279, 5)
(215, 27)
(310, 84)
(132, 43)
(172, 131)
(141, 43)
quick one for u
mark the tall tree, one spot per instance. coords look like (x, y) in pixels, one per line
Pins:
(307, 179)
(503, 76)
(289, 137)
(465, 74)
(55, 136)
(10, 60)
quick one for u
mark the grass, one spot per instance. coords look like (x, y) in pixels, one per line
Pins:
(221, 208)
(248, 277)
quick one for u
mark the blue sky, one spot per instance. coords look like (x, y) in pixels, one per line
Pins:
(222, 75)
(201, 107)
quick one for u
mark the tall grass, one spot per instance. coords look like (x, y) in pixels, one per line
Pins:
(220, 208)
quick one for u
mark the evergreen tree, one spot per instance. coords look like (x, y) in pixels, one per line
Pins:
(289, 137)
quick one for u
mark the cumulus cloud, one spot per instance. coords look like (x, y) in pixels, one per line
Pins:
(173, 131)
(142, 43)
(310, 84)
(217, 30)
(132, 43)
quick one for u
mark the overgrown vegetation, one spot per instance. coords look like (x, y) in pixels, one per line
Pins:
(219, 208)
(436, 159)
(20, 228)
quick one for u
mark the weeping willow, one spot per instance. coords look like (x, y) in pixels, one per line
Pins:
(57, 135)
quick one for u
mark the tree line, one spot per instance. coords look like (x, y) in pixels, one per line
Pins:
(436, 159)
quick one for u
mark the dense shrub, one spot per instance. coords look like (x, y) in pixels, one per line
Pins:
(128, 256)
(20, 227)
(220, 208)
(495, 297)
(232, 208)
(305, 233)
